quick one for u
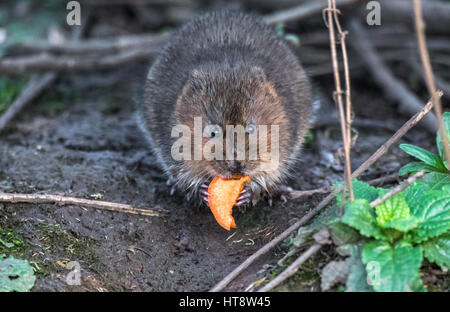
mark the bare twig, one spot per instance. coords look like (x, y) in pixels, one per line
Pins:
(46, 61)
(321, 238)
(94, 45)
(306, 218)
(393, 88)
(302, 11)
(425, 57)
(343, 114)
(399, 188)
(383, 149)
(64, 200)
(297, 194)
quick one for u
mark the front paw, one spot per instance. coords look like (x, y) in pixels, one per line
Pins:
(204, 193)
(245, 196)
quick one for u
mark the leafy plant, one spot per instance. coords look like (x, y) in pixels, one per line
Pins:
(396, 235)
(429, 161)
(15, 275)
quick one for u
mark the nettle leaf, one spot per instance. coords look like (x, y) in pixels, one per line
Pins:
(433, 214)
(393, 268)
(394, 213)
(415, 193)
(446, 120)
(424, 155)
(359, 215)
(438, 250)
(16, 275)
(415, 167)
(436, 181)
(361, 190)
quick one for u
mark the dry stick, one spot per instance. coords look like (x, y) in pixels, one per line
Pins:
(46, 61)
(338, 99)
(383, 149)
(393, 88)
(293, 268)
(397, 189)
(302, 11)
(64, 200)
(380, 152)
(425, 57)
(95, 45)
(348, 110)
(295, 194)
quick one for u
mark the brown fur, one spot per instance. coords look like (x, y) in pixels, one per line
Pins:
(230, 69)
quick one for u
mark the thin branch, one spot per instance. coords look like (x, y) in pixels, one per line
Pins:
(93, 45)
(306, 218)
(293, 268)
(399, 188)
(383, 149)
(46, 61)
(64, 200)
(395, 89)
(302, 11)
(343, 114)
(425, 57)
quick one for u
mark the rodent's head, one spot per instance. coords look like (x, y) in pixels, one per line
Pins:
(232, 100)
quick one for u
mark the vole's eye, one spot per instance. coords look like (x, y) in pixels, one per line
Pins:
(213, 131)
(250, 128)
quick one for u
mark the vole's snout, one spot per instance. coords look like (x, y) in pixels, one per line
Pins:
(236, 167)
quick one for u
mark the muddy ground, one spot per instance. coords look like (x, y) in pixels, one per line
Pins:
(85, 143)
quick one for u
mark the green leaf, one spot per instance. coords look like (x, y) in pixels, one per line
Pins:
(446, 120)
(415, 193)
(436, 181)
(359, 215)
(361, 190)
(438, 250)
(415, 167)
(16, 275)
(393, 268)
(394, 213)
(342, 234)
(433, 214)
(424, 155)
(357, 278)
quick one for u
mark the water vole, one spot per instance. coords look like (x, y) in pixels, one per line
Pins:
(229, 68)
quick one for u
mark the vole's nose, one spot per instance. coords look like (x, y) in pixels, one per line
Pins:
(236, 166)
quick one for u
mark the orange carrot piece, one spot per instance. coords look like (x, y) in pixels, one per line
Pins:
(223, 196)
